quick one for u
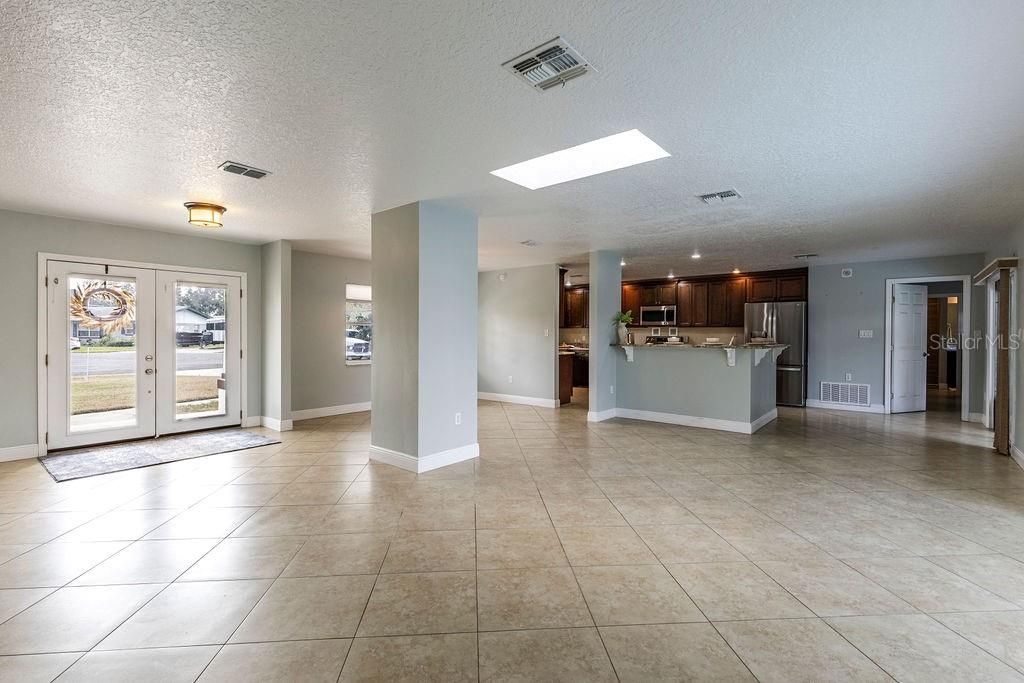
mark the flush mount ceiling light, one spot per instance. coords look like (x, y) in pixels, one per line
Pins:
(695, 255)
(735, 271)
(598, 156)
(622, 263)
(203, 215)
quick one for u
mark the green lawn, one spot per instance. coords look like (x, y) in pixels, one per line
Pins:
(111, 349)
(100, 393)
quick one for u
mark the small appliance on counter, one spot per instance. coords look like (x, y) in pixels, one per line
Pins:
(660, 340)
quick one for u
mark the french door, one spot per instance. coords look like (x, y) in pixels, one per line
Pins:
(139, 352)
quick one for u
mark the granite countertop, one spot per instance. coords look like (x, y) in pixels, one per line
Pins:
(701, 346)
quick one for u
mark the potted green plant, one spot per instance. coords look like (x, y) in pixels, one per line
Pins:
(621, 320)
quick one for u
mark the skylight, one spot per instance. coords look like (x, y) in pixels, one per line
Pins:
(598, 156)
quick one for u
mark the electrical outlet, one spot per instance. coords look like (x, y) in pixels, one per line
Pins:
(458, 418)
(849, 377)
(510, 379)
(547, 332)
(867, 334)
(611, 389)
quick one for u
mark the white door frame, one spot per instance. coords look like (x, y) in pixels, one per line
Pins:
(992, 330)
(41, 316)
(965, 308)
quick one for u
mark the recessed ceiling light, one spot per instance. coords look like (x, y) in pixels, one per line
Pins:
(670, 275)
(695, 255)
(598, 156)
(203, 215)
(735, 271)
(622, 263)
(804, 257)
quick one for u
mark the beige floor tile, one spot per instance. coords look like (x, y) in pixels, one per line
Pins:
(271, 475)
(1001, 634)
(672, 652)
(241, 495)
(14, 600)
(201, 523)
(329, 473)
(40, 527)
(730, 591)
(830, 588)
(204, 613)
(767, 541)
(307, 608)
(55, 564)
(11, 551)
(431, 551)
(642, 594)
(377, 492)
(342, 459)
(605, 545)
(928, 587)
(583, 512)
(246, 558)
(32, 668)
(512, 514)
(286, 520)
(412, 659)
(629, 487)
(310, 493)
(72, 619)
(120, 525)
(315, 661)
(339, 554)
(790, 650)
(170, 665)
(547, 655)
(147, 562)
(675, 544)
(574, 487)
(654, 511)
(917, 648)
(518, 549)
(530, 598)
(360, 518)
(451, 516)
(999, 574)
(411, 604)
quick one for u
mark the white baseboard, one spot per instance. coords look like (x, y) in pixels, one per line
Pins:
(702, 422)
(873, 408)
(601, 416)
(976, 417)
(252, 421)
(9, 453)
(427, 462)
(1018, 455)
(275, 424)
(521, 400)
(328, 411)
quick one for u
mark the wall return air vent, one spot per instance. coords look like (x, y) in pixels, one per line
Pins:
(545, 66)
(244, 170)
(845, 393)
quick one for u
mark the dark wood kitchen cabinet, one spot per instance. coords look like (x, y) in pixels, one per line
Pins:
(630, 302)
(793, 288)
(691, 304)
(762, 289)
(580, 370)
(725, 302)
(565, 377)
(575, 308)
(658, 295)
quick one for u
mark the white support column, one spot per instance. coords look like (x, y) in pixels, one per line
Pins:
(605, 300)
(424, 377)
(277, 335)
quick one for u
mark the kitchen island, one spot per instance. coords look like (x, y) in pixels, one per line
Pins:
(714, 387)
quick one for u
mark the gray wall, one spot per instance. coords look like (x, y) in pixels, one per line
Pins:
(1015, 247)
(277, 328)
(447, 328)
(395, 239)
(605, 301)
(24, 235)
(320, 378)
(839, 307)
(514, 314)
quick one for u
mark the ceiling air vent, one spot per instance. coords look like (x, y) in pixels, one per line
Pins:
(244, 169)
(545, 66)
(715, 197)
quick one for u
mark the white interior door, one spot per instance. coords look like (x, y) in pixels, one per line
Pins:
(99, 354)
(198, 349)
(909, 348)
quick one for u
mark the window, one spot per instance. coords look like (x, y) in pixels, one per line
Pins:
(358, 324)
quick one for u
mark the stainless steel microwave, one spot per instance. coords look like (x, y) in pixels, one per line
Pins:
(657, 316)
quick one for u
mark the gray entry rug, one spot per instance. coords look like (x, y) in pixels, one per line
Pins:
(89, 462)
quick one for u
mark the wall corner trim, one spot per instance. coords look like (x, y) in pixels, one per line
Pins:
(427, 462)
(825, 405)
(9, 453)
(602, 415)
(1017, 455)
(520, 400)
(327, 411)
(275, 424)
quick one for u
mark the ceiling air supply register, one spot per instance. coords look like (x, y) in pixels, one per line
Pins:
(545, 66)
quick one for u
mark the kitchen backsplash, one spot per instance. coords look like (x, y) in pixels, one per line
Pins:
(697, 335)
(573, 335)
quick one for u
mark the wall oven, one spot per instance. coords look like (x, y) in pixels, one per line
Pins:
(657, 316)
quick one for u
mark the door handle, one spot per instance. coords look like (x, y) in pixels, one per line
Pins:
(149, 357)
(150, 371)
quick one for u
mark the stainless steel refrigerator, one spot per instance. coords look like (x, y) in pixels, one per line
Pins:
(786, 323)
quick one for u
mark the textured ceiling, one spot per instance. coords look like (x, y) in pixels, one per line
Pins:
(855, 130)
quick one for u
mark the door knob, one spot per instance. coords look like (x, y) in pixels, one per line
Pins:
(149, 357)
(150, 371)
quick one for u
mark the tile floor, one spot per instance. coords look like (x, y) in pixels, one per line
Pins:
(829, 546)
